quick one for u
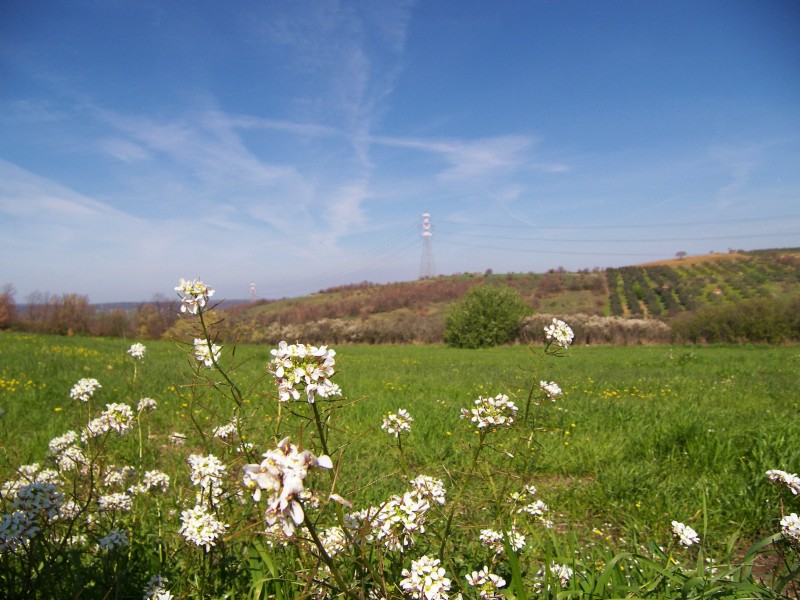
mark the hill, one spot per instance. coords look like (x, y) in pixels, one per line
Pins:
(416, 310)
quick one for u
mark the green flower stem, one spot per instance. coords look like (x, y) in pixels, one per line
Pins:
(327, 559)
(236, 393)
(457, 500)
(320, 429)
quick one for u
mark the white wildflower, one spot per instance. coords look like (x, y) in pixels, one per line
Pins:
(118, 501)
(396, 423)
(550, 389)
(495, 540)
(399, 519)
(487, 584)
(58, 444)
(560, 333)
(791, 480)
(790, 526)
(137, 351)
(428, 487)
(685, 534)
(300, 368)
(281, 475)
(84, 389)
(562, 572)
(16, 530)
(194, 295)
(491, 413)
(146, 405)
(227, 431)
(200, 527)
(116, 538)
(156, 589)
(117, 476)
(426, 580)
(206, 352)
(207, 471)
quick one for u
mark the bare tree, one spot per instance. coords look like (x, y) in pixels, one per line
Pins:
(8, 309)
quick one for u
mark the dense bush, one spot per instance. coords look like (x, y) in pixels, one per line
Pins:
(487, 316)
(592, 329)
(759, 320)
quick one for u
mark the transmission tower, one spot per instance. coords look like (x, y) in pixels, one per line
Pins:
(426, 268)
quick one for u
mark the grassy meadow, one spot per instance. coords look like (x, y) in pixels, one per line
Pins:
(641, 435)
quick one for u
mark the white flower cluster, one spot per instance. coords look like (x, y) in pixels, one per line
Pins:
(494, 540)
(562, 572)
(298, 367)
(227, 431)
(137, 351)
(116, 417)
(281, 476)
(491, 413)
(156, 589)
(207, 472)
(116, 538)
(488, 584)
(426, 580)
(396, 423)
(333, 540)
(146, 405)
(399, 519)
(685, 534)
(560, 333)
(34, 504)
(152, 480)
(194, 295)
(39, 500)
(60, 443)
(84, 389)
(116, 502)
(206, 352)
(534, 508)
(790, 526)
(66, 453)
(117, 476)
(200, 527)
(550, 389)
(791, 480)
(155, 479)
(16, 530)
(428, 487)
(27, 474)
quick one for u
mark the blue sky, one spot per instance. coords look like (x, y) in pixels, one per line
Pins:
(295, 145)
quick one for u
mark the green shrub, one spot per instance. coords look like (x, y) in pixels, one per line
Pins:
(764, 320)
(487, 316)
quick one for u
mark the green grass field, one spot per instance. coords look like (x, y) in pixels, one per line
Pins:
(641, 436)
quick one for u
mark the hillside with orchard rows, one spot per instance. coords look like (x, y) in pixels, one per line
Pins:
(673, 300)
(657, 289)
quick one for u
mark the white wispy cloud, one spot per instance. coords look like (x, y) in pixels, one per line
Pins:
(475, 159)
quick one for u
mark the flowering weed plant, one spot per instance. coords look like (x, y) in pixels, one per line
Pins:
(253, 497)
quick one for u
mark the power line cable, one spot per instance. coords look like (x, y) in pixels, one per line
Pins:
(639, 226)
(627, 240)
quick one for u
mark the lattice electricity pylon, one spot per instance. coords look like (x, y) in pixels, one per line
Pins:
(426, 268)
